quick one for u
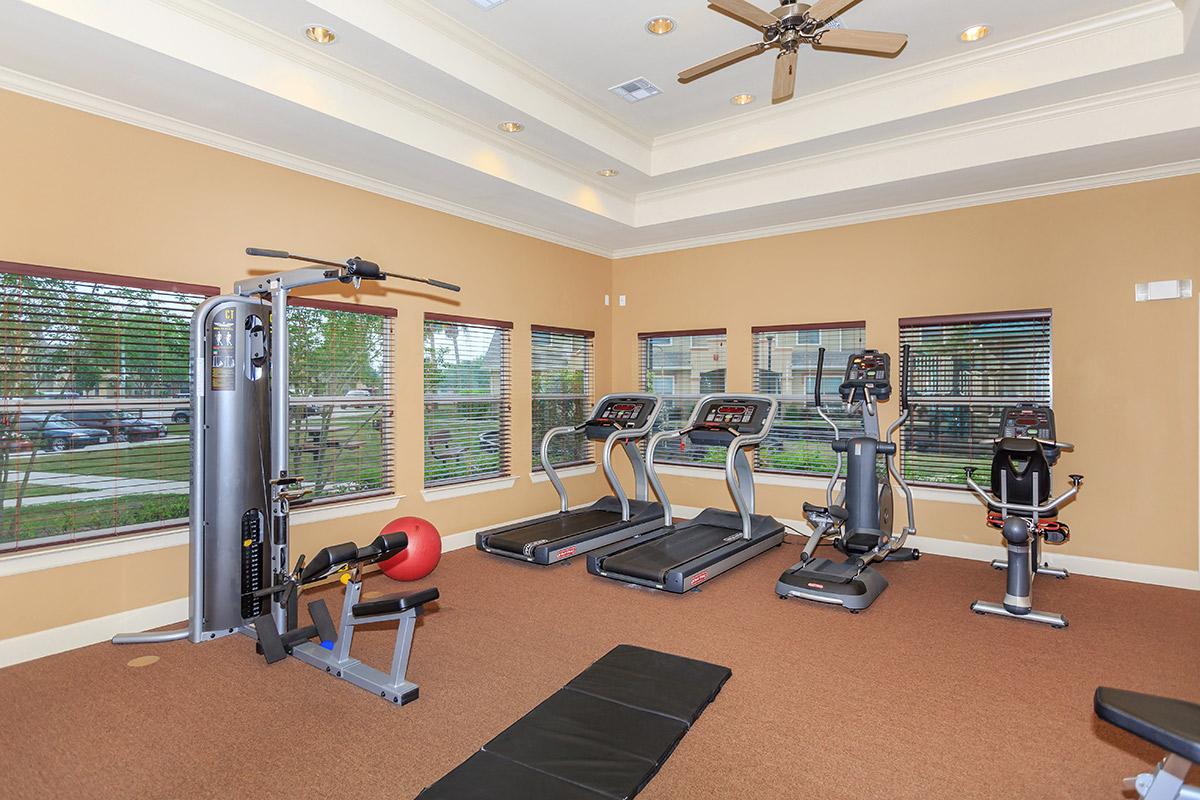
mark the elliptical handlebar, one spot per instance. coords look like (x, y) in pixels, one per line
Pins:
(820, 372)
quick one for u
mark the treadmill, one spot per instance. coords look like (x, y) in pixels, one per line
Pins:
(623, 419)
(678, 558)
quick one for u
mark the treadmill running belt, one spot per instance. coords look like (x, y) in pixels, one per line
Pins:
(557, 527)
(601, 737)
(654, 559)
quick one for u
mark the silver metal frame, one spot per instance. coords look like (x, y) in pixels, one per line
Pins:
(625, 436)
(1166, 782)
(739, 475)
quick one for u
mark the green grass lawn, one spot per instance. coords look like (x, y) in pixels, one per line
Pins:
(35, 490)
(164, 461)
(55, 519)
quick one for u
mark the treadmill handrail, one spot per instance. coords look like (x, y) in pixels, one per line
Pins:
(618, 434)
(659, 491)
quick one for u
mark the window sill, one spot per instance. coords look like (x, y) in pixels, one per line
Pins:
(464, 489)
(566, 472)
(82, 552)
(960, 496)
(797, 481)
(681, 471)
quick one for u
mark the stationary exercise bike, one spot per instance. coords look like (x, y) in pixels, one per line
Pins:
(1019, 505)
(861, 521)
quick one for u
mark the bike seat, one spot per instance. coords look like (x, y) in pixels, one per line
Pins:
(1173, 725)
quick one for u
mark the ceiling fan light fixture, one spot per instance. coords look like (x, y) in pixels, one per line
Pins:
(742, 99)
(320, 34)
(510, 127)
(660, 26)
(607, 173)
(975, 33)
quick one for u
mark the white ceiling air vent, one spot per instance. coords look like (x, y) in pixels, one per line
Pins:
(635, 90)
(487, 5)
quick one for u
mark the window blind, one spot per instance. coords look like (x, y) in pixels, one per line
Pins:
(562, 369)
(965, 370)
(785, 365)
(94, 404)
(467, 405)
(341, 401)
(681, 367)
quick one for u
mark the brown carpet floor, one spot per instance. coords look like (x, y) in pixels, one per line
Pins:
(916, 698)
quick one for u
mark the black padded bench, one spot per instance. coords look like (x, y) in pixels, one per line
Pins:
(603, 736)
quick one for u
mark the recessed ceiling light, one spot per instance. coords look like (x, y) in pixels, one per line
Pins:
(488, 5)
(607, 173)
(320, 34)
(660, 26)
(742, 99)
(511, 127)
(975, 33)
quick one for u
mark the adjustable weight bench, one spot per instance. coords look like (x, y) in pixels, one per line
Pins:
(601, 737)
(331, 650)
(1173, 725)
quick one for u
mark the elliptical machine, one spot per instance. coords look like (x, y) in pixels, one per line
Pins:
(861, 521)
(1019, 505)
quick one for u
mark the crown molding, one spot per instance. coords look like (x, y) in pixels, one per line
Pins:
(1146, 31)
(1140, 174)
(100, 106)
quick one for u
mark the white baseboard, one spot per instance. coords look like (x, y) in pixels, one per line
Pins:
(90, 631)
(1173, 577)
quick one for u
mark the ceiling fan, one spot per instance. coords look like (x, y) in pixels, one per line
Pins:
(788, 27)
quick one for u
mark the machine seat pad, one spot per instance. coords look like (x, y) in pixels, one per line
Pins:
(329, 560)
(603, 735)
(1173, 725)
(395, 603)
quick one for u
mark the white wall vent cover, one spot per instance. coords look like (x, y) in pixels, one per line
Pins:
(635, 90)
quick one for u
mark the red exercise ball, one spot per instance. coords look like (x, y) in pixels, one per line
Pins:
(422, 554)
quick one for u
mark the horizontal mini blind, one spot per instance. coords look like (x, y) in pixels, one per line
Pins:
(681, 367)
(562, 391)
(94, 404)
(340, 425)
(785, 366)
(467, 405)
(965, 370)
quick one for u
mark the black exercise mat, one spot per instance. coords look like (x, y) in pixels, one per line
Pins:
(603, 735)
(658, 682)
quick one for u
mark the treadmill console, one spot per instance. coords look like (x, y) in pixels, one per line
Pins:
(867, 371)
(719, 419)
(619, 413)
(1030, 421)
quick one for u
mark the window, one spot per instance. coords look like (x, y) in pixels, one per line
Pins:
(785, 365)
(466, 399)
(340, 426)
(965, 369)
(682, 366)
(562, 391)
(94, 404)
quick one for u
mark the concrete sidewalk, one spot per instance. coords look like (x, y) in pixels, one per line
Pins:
(97, 487)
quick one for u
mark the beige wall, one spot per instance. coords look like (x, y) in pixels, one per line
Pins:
(1125, 373)
(87, 193)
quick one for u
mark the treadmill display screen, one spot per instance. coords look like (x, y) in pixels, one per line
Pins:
(622, 411)
(730, 415)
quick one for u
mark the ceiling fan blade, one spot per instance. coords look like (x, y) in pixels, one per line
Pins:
(721, 61)
(873, 42)
(823, 10)
(746, 12)
(785, 77)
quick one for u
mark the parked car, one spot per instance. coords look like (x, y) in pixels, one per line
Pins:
(56, 432)
(124, 425)
(356, 394)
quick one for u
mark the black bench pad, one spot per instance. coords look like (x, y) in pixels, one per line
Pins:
(395, 603)
(603, 735)
(657, 682)
(1173, 725)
